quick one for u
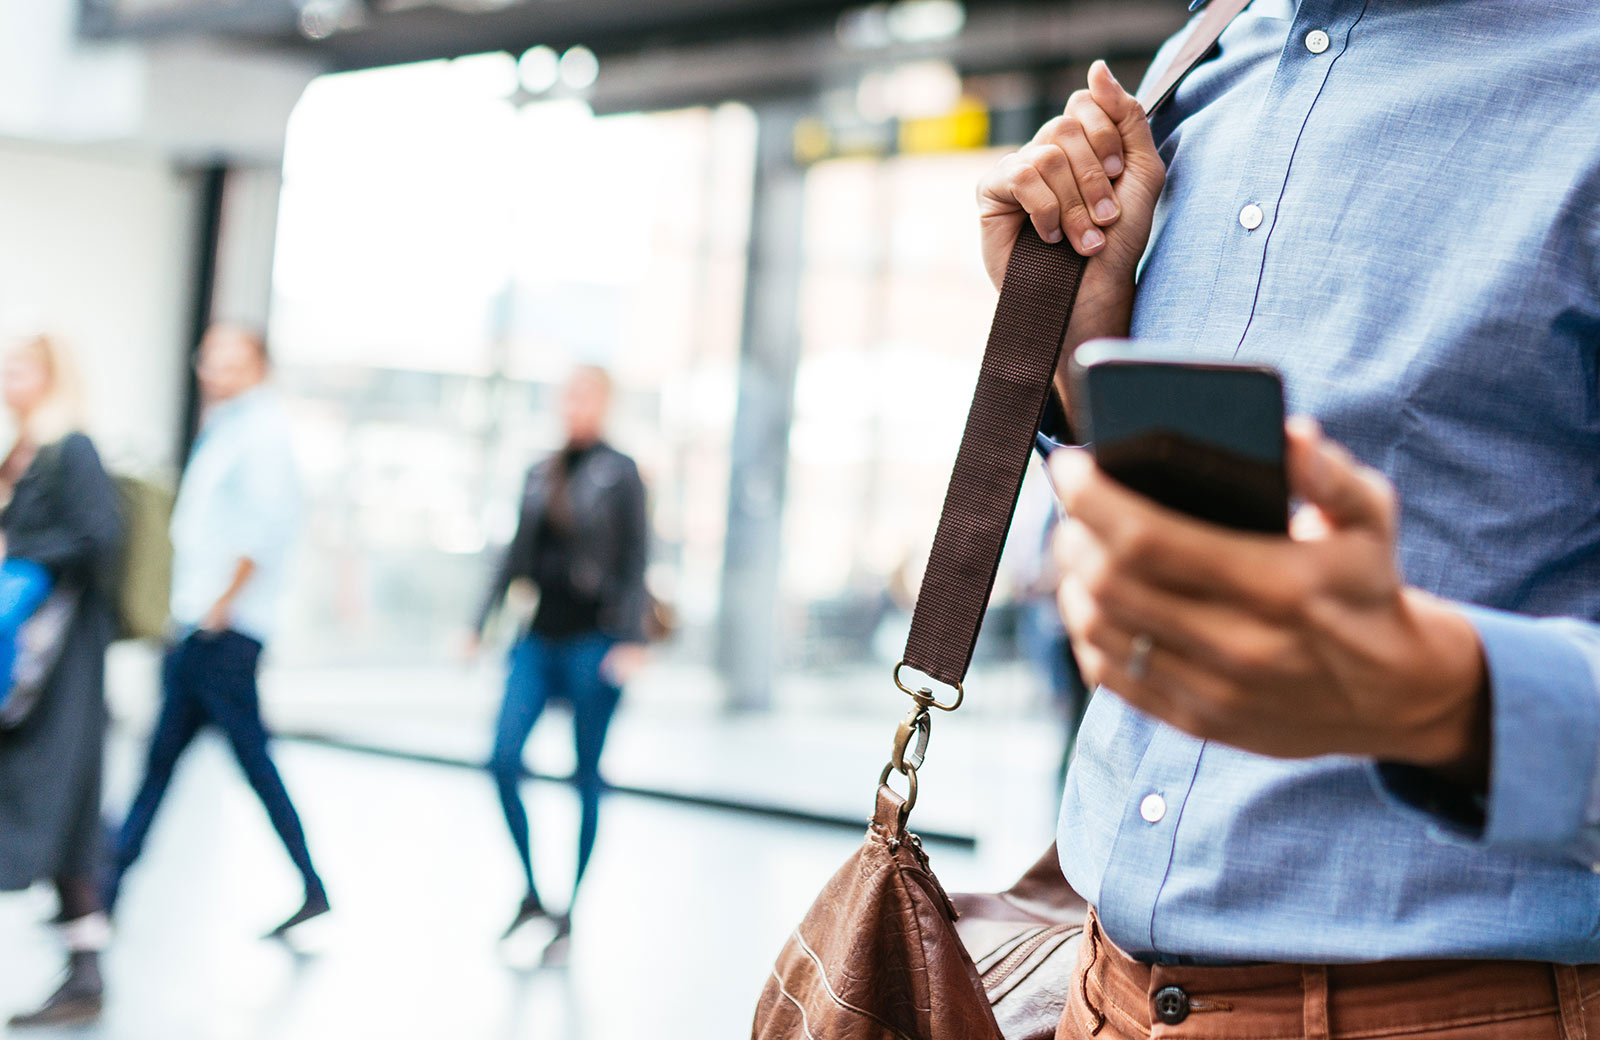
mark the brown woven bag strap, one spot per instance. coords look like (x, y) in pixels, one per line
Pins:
(1019, 362)
(1024, 345)
(1219, 15)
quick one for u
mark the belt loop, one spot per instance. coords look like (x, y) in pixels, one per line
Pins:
(1314, 981)
(1569, 995)
(1094, 1019)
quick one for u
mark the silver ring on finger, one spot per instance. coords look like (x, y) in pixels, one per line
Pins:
(1138, 664)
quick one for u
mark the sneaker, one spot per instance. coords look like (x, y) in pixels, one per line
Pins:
(558, 951)
(530, 910)
(62, 1009)
(316, 905)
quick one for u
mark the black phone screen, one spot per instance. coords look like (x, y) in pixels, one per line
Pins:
(1203, 439)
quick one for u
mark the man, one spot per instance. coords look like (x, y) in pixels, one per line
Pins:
(1376, 740)
(232, 527)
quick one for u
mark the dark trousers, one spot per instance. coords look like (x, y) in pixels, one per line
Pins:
(544, 668)
(211, 678)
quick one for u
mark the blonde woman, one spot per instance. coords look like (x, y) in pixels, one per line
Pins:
(61, 514)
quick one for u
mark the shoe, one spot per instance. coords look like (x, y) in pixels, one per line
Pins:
(74, 1004)
(316, 905)
(559, 949)
(530, 910)
(68, 1011)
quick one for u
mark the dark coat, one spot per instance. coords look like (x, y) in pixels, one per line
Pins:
(607, 546)
(63, 516)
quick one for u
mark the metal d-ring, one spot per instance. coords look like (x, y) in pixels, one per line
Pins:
(911, 788)
(924, 695)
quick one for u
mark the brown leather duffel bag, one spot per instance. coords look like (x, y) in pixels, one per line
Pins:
(885, 953)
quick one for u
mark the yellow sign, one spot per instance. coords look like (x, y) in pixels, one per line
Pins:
(963, 128)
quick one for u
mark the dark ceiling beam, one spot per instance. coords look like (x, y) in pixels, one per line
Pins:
(609, 27)
(995, 40)
(267, 21)
(673, 53)
(605, 26)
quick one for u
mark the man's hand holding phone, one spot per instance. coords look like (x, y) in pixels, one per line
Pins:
(1289, 646)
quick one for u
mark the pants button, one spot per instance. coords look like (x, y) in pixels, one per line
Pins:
(1171, 1004)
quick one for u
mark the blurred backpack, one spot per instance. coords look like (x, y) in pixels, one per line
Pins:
(144, 572)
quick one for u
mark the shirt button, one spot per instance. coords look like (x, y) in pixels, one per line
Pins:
(1171, 1005)
(1153, 808)
(1250, 217)
(1316, 41)
(1595, 867)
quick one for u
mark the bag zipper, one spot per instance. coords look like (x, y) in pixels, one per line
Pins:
(1004, 970)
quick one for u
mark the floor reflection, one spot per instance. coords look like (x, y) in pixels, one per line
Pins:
(683, 910)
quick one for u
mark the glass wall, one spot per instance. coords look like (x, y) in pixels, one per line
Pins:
(443, 258)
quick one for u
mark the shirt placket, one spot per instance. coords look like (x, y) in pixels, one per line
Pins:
(1146, 838)
(1145, 852)
(1318, 36)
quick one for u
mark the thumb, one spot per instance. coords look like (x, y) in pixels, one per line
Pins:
(1138, 144)
(1347, 493)
(1114, 101)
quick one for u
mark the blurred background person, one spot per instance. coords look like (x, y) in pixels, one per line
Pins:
(232, 530)
(61, 515)
(581, 541)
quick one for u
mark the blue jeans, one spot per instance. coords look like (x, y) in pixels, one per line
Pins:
(211, 677)
(545, 669)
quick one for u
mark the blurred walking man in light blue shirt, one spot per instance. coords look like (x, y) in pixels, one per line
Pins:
(232, 530)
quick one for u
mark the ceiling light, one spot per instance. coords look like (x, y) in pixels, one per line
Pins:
(539, 69)
(579, 68)
(320, 19)
(865, 28)
(926, 21)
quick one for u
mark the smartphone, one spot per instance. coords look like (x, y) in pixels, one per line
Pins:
(1202, 438)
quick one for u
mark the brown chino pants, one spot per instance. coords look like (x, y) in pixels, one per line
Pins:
(1115, 997)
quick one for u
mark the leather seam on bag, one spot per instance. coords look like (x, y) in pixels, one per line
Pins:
(822, 974)
(996, 955)
(1025, 951)
(916, 922)
(805, 1024)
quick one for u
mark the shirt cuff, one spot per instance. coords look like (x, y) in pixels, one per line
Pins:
(1545, 731)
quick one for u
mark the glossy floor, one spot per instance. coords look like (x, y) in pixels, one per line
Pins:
(681, 916)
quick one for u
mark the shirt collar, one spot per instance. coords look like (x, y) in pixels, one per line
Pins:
(227, 411)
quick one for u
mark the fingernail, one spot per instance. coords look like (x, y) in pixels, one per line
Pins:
(1068, 465)
(1113, 165)
(1093, 239)
(1105, 210)
(1053, 237)
(1305, 426)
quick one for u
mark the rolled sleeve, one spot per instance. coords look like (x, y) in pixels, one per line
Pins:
(1544, 784)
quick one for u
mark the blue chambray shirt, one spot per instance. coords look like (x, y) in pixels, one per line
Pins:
(239, 498)
(1426, 274)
